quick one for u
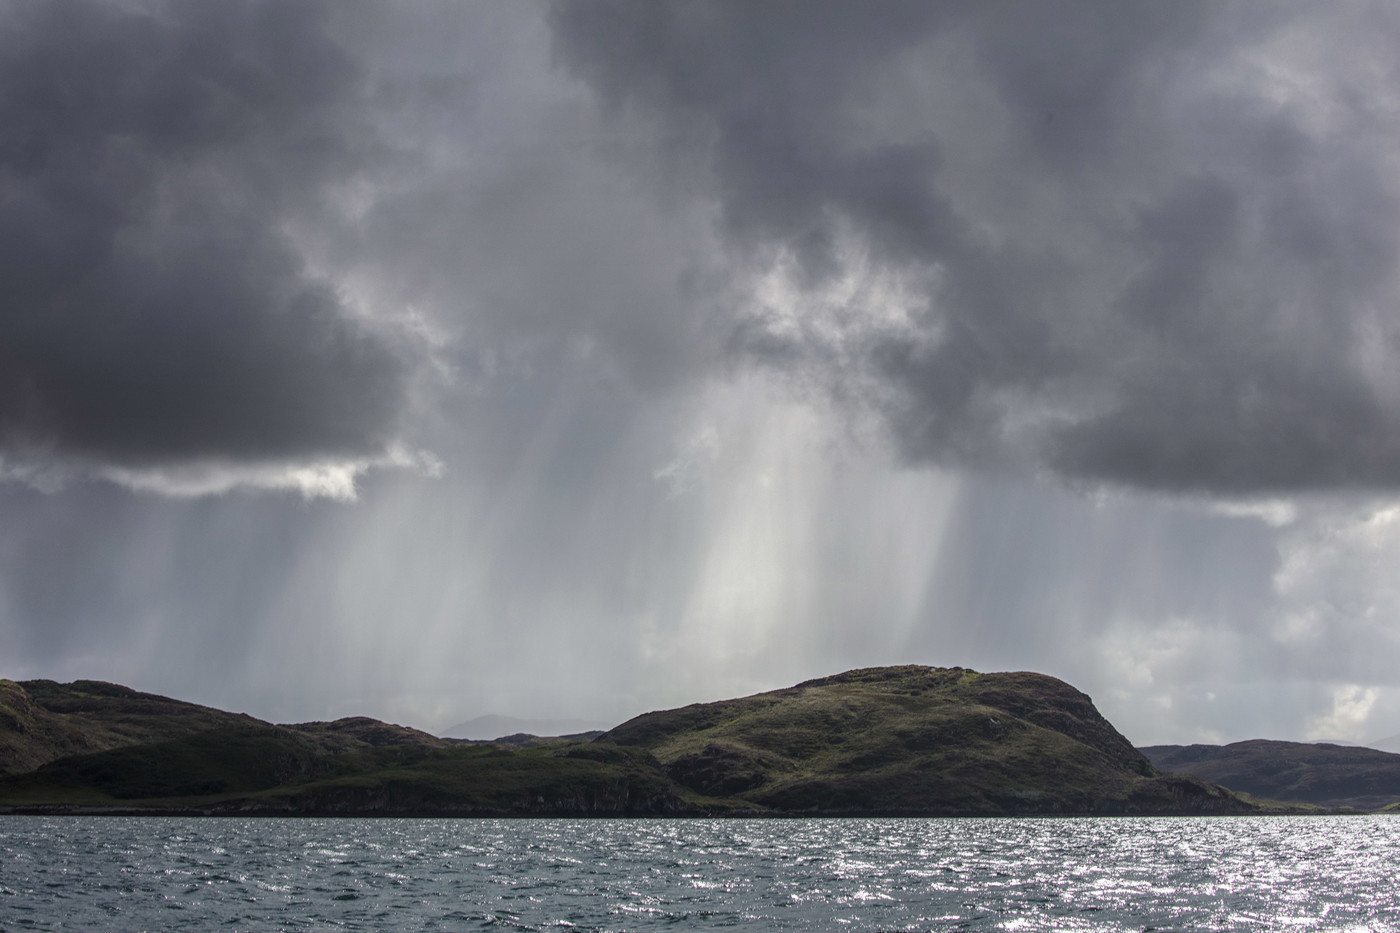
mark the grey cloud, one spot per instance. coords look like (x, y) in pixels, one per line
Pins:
(1147, 245)
(157, 310)
(1156, 244)
(505, 215)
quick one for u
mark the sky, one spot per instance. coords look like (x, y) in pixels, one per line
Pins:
(572, 360)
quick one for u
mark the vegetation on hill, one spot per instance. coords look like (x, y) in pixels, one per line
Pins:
(274, 769)
(1334, 776)
(915, 740)
(42, 721)
(910, 740)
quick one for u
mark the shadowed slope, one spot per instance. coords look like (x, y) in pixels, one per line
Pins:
(1321, 774)
(42, 721)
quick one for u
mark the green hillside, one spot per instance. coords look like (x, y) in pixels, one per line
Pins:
(903, 740)
(915, 740)
(42, 721)
(274, 769)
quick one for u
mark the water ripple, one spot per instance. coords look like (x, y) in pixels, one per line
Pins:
(1090, 875)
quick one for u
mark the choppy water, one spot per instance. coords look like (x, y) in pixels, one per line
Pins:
(127, 874)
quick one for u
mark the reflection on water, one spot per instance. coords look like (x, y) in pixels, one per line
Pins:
(1241, 873)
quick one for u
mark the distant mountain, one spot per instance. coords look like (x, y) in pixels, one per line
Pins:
(1316, 773)
(1389, 744)
(902, 740)
(495, 727)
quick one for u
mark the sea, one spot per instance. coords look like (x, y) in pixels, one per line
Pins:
(1077, 874)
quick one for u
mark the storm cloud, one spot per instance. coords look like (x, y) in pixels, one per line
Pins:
(1151, 246)
(754, 341)
(160, 322)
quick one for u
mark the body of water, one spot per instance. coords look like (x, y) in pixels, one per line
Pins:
(168, 873)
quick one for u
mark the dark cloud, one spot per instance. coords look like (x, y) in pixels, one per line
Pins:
(1152, 246)
(612, 263)
(157, 310)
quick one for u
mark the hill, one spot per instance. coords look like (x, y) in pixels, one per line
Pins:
(1326, 775)
(902, 740)
(42, 721)
(914, 740)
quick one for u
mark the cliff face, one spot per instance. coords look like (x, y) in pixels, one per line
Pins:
(902, 740)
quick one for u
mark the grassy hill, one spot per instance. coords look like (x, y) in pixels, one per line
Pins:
(275, 769)
(914, 740)
(909, 740)
(42, 721)
(1325, 775)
